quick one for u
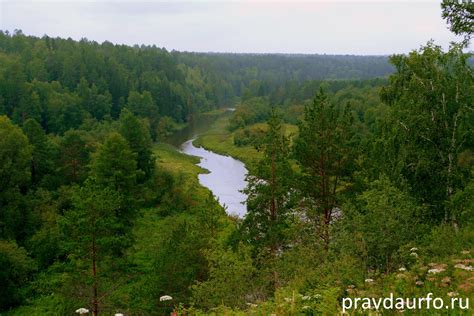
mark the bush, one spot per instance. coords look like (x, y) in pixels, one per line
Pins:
(249, 136)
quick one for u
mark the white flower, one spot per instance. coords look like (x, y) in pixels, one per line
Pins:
(252, 305)
(306, 298)
(402, 269)
(369, 280)
(419, 283)
(82, 310)
(414, 254)
(464, 267)
(118, 314)
(287, 299)
(165, 298)
(317, 296)
(465, 252)
(451, 294)
(435, 271)
(306, 307)
(413, 249)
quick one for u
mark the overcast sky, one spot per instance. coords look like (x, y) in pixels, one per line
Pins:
(331, 27)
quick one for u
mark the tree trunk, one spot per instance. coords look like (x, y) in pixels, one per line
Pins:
(95, 303)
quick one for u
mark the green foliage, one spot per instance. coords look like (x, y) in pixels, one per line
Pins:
(387, 219)
(44, 152)
(269, 201)
(15, 162)
(15, 155)
(74, 156)
(251, 135)
(325, 151)
(179, 260)
(94, 217)
(321, 219)
(115, 165)
(137, 134)
(460, 17)
(44, 244)
(165, 128)
(97, 104)
(430, 125)
(16, 270)
(230, 281)
(251, 111)
(95, 236)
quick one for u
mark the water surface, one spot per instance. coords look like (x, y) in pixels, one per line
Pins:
(226, 177)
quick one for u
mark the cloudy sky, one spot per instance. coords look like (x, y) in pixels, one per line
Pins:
(331, 27)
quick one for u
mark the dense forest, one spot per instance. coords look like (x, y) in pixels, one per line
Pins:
(360, 184)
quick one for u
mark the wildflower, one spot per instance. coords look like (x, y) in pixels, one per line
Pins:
(465, 252)
(369, 280)
(287, 299)
(446, 280)
(306, 298)
(317, 296)
(118, 314)
(402, 269)
(306, 307)
(414, 254)
(435, 270)
(165, 298)
(419, 283)
(414, 249)
(251, 305)
(82, 310)
(451, 294)
(463, 267)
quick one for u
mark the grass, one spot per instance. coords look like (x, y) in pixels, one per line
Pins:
(179, 165)
(182, 168)
(220, 140)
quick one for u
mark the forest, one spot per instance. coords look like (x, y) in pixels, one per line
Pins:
(360, 178)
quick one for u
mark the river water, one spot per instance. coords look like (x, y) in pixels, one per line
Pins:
(226, 177)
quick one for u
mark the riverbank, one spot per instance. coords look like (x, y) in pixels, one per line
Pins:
(226, 178)
(220, 140)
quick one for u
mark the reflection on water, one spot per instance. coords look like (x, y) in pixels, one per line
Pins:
(226, 175)
(196, 126)
(225, 179)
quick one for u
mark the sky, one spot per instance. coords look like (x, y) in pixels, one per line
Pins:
(309, 27)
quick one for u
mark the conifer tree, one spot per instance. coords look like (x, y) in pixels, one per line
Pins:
(325, 153)
(269, 202)
(42, 163)
(115, 165)
(93, 235)
(137, 134)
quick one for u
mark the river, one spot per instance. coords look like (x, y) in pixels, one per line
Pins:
(226, 177)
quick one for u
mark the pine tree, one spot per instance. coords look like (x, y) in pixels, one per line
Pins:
(115, 165)
(269, 202)
(42, 163)
(138, 137)
(93, 233)
(325, 153)
(74, 157)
